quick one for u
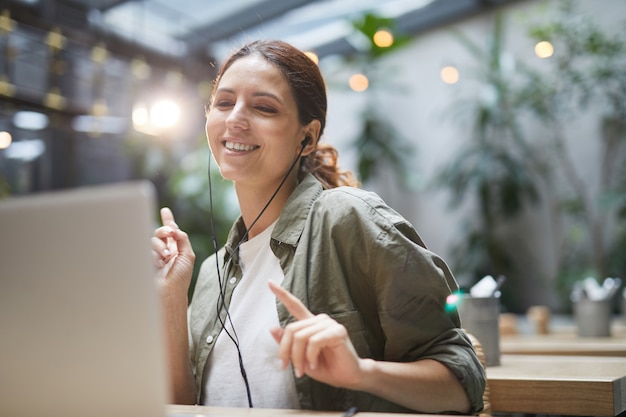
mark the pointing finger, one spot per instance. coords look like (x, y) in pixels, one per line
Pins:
(291, 303)
(167, 217)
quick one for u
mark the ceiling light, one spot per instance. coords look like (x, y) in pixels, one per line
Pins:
(359, 82)
(449, 75)
(164, 114)
(30, 120)
(383, 38)
(26, 150)
(5, 139)
(313, 56)
(141, 116)
(100, 124)
(544, 49)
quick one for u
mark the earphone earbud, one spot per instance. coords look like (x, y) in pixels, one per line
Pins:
(305, 141)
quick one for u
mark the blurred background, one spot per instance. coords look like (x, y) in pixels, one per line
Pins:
(497, 127)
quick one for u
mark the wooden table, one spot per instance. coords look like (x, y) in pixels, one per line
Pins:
(203, 411)
(563, 340)
(562, 344)
(565, 385)
(560, 385)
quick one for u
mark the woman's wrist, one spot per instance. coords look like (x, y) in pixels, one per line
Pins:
(365, 378)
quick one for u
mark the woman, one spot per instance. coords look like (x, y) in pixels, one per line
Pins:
(323, 297)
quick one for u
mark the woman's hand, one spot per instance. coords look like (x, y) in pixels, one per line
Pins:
(320, 347)
(172, 253)
(174, 258)
(317, 346)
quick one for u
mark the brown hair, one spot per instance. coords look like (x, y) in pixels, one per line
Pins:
(309, 91)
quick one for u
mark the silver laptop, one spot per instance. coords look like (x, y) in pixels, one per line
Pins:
(80, 331)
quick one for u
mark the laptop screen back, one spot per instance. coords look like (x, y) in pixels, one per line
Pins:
(80, 332)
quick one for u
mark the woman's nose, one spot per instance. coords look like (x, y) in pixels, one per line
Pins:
(238, 117)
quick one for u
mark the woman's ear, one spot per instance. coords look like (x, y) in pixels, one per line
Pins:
(307, 139)
(311, 136)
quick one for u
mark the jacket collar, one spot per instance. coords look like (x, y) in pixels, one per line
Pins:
(296, 211)
(292, 217)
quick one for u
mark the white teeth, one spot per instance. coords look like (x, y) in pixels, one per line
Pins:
(239, 147)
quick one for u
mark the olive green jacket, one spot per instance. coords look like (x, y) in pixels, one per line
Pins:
(345, 253)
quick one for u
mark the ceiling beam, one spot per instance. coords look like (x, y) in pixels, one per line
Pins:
(199, 40)
(443, 12)
(106, 5)
(433, 15)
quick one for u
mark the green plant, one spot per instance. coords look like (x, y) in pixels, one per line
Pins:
(496, 165)
(504, 170)
(5, 187)
(586, 73)
(379, 143)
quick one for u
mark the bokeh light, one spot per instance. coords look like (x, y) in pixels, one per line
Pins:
(449, 75)
(359, 82)
(5, 139)
(165, 113)
(544, 49)
(383, 38)
(141, 116)
(313, 56)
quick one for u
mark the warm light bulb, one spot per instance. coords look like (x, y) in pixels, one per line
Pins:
(5, 139)
(383, 38)
(164, 114)
(544, 49)
(449, 75)
(313, 56)
(359, 82)
(140, 68)
(140, 115)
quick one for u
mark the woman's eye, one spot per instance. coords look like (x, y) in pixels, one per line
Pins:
(266, 109)
(223, 103)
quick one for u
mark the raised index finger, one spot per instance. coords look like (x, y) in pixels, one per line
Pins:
(291, 303)
(167, 217)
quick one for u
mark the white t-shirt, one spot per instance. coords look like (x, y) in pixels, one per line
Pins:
(252, 312)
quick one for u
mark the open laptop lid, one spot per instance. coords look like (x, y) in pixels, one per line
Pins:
(80, 332)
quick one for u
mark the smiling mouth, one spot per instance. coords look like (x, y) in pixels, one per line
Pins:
(239, 147)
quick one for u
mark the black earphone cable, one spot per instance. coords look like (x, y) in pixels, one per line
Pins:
(222, 302)
(222, 294)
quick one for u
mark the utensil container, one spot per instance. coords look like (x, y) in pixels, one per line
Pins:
(593, 317)
(480, 317)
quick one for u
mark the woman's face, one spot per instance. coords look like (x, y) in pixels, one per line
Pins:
(252, 127)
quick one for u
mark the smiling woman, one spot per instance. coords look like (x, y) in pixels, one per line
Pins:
(323, 296)
(250, 122)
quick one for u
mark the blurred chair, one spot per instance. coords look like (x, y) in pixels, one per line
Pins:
(508, 324)
(539, 317)
(486, 412)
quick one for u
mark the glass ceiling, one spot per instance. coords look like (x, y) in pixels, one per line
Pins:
(216, 26)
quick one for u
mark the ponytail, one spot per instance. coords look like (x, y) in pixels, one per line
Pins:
(323, 164)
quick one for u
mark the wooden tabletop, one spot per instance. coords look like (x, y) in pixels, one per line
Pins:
(203, 411)
(565, 385)
(563, 344)
(534, 384)
(562, 339)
